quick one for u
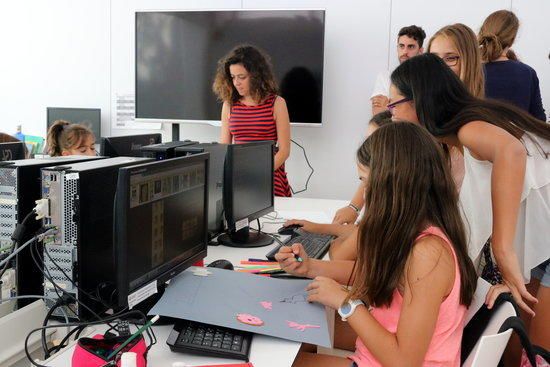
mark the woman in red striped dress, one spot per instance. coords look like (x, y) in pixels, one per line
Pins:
(252, 110)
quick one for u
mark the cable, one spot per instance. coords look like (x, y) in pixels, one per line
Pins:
(35, 238)
(76, 324)
(310, 174)
(72, 281)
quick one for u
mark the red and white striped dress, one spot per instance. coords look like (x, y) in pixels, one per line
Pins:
(256, 123)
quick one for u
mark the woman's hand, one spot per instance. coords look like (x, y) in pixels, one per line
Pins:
(345, 215)
(326, 292)
(289, 259)
(304, 224)
(511, 275)
(493, 294)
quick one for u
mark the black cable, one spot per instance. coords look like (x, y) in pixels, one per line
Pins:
(77, 324)
(16, 238)
(310, 174)
(72, 281)
(45, 270)
(57, 304)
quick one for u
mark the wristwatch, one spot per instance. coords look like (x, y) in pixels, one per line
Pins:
(347, 309)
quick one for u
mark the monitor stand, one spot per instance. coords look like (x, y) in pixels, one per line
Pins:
(244, 238)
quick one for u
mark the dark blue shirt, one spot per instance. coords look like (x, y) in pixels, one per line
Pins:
(515, 82)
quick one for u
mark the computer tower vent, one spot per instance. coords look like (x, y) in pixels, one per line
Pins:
(70, 195)
(63, 262)
(8, 206)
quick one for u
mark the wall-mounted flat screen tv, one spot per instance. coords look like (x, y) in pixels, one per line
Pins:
(177, 54)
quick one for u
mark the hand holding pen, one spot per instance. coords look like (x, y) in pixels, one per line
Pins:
(293, 259)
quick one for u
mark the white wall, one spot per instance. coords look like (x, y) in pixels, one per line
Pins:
(68, 53)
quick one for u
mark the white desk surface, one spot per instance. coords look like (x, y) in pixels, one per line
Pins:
(266, 351)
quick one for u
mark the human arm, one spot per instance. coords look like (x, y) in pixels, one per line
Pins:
(346, 249)
(225, 135)
(348, 214)
(535, 106)
(321, 228)
(428, 279)
(509, 157)
(310, 268)
(280, 114)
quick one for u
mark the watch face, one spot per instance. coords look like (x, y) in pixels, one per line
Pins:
(346, 308)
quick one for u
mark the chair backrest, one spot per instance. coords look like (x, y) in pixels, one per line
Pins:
(490, 346)
(478, 301)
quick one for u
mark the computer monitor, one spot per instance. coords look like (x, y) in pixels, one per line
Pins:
(12, 151)
(164, 150)
(127, 145)
(247, 192)
(168, 202)
(90, 117)
(215, 181)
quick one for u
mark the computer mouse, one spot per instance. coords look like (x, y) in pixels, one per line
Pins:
(222, 264)
(288, 230)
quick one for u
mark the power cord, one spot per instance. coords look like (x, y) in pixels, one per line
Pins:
(310, 173)
(16, 238)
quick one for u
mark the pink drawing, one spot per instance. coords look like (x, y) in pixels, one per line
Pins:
(301, 327)
(249, 319)
(267, 305)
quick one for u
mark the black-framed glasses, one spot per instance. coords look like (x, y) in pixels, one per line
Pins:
(451, 60)
(391, 106)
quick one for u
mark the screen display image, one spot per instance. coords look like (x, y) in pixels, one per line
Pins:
(177, 55)
(168, 208)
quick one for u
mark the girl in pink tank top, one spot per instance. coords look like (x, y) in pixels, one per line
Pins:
(412, 280)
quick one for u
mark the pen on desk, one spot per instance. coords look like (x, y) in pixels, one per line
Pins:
(258, 260)
(133, 336)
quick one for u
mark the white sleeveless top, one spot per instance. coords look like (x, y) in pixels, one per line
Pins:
(532, 240)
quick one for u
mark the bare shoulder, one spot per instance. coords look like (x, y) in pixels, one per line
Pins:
(431, 259)
(279, 102)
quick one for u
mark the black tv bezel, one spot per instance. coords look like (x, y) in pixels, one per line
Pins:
(175, 122)
(228, 199)
(98, 110)
(18, 146)
(122, 202)
(107, 141)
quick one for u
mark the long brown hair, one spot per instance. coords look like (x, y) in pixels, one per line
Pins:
(256, 62)
(63, 135)
(465, 41)
(498, 31)
(409, 185)
(444, 105)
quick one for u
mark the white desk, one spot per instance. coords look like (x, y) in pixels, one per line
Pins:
(266, 351)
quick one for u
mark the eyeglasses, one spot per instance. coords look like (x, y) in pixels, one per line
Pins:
(392, 105)
(451, 60)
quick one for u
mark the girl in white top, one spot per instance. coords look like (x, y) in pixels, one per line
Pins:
(506, 189)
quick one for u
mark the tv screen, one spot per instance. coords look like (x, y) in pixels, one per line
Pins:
(177, 55)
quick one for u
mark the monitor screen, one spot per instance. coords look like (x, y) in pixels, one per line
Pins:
(90, 117)
(217, 153)
(161, 224)
(177, 54)
(248, 181)
(128, 145)
(12, 151)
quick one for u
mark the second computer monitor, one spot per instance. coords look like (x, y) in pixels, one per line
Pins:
(90, 117)
(127, 145)
(161, 222)
(12, 151)
(247, 192)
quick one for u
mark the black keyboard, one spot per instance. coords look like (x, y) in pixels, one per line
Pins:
(209, 340)
(315, 245)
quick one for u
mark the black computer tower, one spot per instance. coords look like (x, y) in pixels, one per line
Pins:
(164, 150)
(21, 187)
(215, 181)
(82, 199)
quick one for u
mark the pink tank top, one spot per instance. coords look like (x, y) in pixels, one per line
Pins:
(444, 349)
